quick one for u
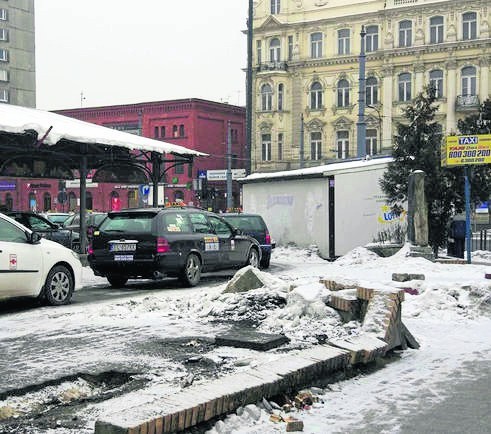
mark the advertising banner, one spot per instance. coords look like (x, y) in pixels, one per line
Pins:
(467, 150)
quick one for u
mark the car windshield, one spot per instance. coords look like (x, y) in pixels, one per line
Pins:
(138, 223)
(246, 223)
(57, 219)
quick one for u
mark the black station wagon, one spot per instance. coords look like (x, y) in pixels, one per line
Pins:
(153, 243)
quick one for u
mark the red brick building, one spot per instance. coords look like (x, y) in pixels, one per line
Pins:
(193, 123)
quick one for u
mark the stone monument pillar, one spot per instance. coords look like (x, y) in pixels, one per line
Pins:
(417, 219)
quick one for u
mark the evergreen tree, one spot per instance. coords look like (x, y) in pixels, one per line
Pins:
(418, 147)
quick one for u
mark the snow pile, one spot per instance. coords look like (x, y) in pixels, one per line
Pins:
(294, 254)
(359, 255)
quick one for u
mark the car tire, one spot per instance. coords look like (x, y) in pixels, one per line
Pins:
(191, 274)
(253, 258)
(265, 262)
(116, 281)
(59, 286)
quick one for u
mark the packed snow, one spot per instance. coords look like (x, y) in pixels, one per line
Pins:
(454, 297)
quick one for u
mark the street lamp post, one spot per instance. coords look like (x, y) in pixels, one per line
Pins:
(361, 126)
(379, 126)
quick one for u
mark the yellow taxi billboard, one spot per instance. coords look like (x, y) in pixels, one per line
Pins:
(467, 150)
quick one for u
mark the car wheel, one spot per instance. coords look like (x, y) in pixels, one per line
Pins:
(59, 286)
(116, 281)
(253, 258)
(191, 274)
(265, 262)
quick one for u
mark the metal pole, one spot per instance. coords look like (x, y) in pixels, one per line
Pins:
(301, 141)
(155, 179)
(249, 89)
(83, 203)
(361, 126)
(229, 166)
(467, 212)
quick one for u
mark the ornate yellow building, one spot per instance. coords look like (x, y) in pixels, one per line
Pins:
(306, 72)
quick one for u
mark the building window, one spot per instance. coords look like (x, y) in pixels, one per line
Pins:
(280, 146)
(4, 35)
(4, 75)
(343, 93)
(316, 45)
(3, 15)
(290, 47)
(266, 147)
(342, 144)
(316, 145)
(371, 142)
(275, 7)
(405, 87)
(274, 50)
(405, 33)
(4, 95)
(259, 51)
(132, 199)
(436, 30)
(436, 82)
(9, 202)
(179, 169)
(316, 96)
(4, 55)
(371, 91)
(175, 131)
(469, 25)
(72, 201)
(343, 41)
(371, 39)
(156, 132)
(162, 132)
(46, 201)
(468, 81)
(266, 97)
(181, 130)
(280, 97)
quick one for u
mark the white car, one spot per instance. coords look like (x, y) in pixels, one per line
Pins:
(33, 266)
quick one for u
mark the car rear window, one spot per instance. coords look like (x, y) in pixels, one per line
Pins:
(247, 223)
(136, 223)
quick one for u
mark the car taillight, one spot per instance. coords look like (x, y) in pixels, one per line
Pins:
(268, 238)
(90, 249)
(162, 245)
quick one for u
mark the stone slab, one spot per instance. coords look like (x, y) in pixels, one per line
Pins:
(248, 338)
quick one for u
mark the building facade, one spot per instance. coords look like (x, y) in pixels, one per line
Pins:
(306, 72)
(17, 53)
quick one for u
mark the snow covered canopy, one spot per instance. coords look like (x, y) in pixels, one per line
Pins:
(37, 143)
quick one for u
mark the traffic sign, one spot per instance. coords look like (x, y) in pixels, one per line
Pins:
(144, 189)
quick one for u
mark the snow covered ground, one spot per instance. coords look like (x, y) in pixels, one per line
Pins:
(449, 313)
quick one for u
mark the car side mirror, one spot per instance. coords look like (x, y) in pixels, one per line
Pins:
(34, 238)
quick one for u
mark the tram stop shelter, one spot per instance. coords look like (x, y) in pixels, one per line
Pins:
(40, 144)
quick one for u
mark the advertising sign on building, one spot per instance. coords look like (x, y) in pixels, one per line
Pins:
(221, 175)
(467, 150)
(7, 185)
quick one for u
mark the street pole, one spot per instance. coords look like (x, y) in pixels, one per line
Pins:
(467, 191)
(301, 141)
(229, 166)
(249, 89)
(361, 126)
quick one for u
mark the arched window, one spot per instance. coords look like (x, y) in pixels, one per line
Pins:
(132, 199)
(371, 91)
(316, 45)
(404, 87)
(32, 202)
(468, 81)
(181, 130)
(315, 96)
(266, 97)
(266, 147)
(342, 144)
(405, 33)
(72, 201)
(315, 145)
(343, 93)
(9, 202)
(46, 201)
(89, 202)
(436, 30)
(469, 25)
(274, 50)
(436, 82)
(280, 97)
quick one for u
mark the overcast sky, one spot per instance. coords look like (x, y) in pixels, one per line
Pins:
(121, 51)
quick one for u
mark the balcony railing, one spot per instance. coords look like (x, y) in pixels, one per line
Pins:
(272, 66)
(467, 103)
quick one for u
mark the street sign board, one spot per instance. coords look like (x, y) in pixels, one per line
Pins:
(467, 150)
(144, 189)
(221, 175)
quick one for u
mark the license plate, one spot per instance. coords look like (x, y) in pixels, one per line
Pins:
(123, 257)
(122, 247)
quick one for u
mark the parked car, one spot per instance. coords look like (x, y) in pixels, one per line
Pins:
(152, 243)
(47, 229)
(58, 218)
(93, 219)
(253, 225)
(33, 266)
